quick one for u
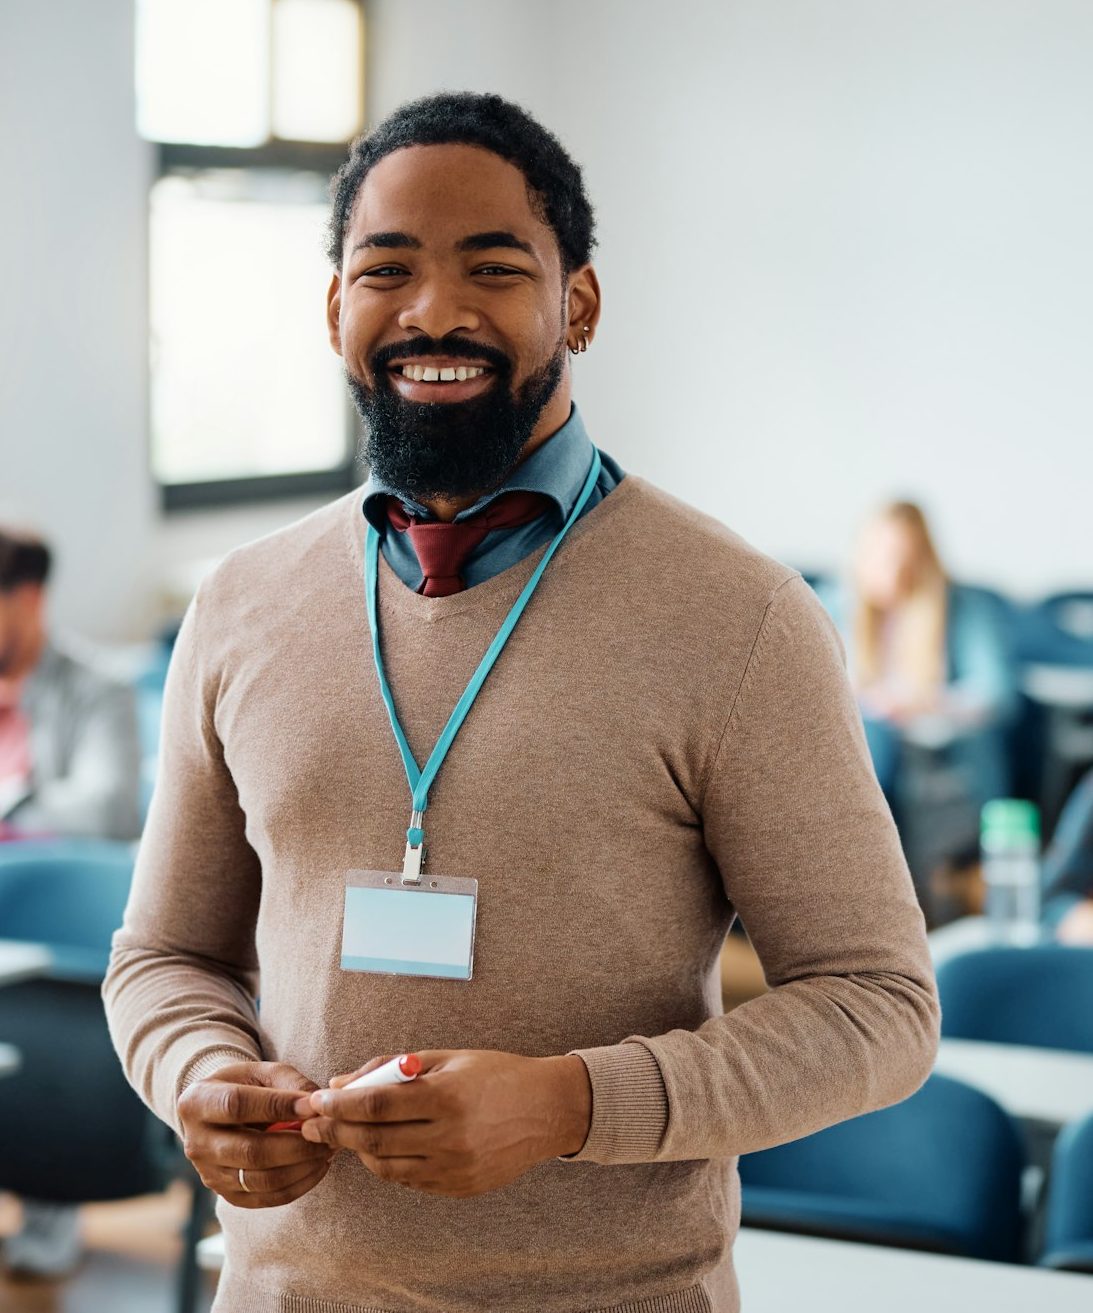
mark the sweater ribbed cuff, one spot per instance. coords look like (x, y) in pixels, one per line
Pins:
(629, 1105)
(210, 1062)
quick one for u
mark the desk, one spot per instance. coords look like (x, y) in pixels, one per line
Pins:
(20, 961)
(1049, 1086)
(779, 1272)
(1066, 687)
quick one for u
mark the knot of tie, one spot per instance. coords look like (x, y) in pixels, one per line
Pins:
(443, 547)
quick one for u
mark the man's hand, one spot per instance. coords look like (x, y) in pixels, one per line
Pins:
(223, 1122)
(472, 1121)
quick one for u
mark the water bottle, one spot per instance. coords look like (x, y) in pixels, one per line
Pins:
(1010, 846)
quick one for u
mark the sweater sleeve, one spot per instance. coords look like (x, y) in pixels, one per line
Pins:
(181, 984)
(809, 857)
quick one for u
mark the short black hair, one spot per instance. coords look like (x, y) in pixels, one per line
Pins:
(24, 559)
(555, 185)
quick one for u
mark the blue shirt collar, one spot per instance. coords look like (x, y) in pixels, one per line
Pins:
(557, 469)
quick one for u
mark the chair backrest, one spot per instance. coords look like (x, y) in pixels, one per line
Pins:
(1058, 630)
(69, 896)
(941, 1170)
(1068, 1238)
(1041, 995)
(70, 1094)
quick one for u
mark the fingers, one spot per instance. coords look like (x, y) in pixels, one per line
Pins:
(228, 1187)
(413, 1101)
(223, 1103)
(374, 1139)
(273, 1181)
(256, 1151)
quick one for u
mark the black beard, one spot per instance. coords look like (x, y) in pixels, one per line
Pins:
(450, 449)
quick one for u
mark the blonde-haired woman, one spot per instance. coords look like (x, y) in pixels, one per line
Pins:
(930, 659)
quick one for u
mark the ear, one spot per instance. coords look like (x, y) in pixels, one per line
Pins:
(334, 312)
(584, 302)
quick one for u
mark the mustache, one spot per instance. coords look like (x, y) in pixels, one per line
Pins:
(453, 347)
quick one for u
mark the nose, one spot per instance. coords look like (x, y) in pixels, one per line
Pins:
(438, 306)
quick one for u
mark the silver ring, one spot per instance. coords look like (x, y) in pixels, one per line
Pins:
(243, 1180)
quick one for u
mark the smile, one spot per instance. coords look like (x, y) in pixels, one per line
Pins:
(430, 374)
(439, 379)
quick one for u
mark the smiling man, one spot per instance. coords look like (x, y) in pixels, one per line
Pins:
(479, 763)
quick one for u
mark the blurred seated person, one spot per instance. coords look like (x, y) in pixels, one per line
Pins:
(930, 658)
(1068, 869)
(69, 749)
(1067, 913)
(69, 766)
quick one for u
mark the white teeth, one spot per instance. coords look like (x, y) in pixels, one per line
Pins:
(449, 374)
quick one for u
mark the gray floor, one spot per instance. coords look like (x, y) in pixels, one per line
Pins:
(129, 1266)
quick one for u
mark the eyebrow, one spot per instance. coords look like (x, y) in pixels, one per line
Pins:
(403, 240)
(488, 241)
(491, 240)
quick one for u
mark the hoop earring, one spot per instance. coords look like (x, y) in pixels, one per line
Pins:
(582, 345)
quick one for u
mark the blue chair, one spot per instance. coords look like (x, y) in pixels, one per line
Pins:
(71, 1128)
(148, 686)
(70, 1093)
(1056, 635)
(1057, 631)
(69, 894)
(1068, 1239)
(940, 1171)
(1042, 995)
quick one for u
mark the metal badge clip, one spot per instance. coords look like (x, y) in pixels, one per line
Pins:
(415, 854)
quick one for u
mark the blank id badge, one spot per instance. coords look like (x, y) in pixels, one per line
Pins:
(397, 929)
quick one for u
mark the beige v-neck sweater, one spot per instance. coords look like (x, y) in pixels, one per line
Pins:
(667, 739)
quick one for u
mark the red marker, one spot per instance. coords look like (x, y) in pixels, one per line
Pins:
(396, 1072)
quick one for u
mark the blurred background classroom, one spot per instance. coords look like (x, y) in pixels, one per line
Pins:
(846, 257)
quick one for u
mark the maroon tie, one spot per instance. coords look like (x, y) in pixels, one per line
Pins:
(443, 547)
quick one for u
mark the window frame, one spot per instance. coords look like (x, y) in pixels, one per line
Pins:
(314, 157)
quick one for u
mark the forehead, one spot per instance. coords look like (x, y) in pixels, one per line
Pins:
(887, 535)
(440, 193)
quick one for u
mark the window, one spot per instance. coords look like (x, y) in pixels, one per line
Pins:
(247, 399)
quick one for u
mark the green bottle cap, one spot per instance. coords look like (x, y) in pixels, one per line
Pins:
(1004, 819)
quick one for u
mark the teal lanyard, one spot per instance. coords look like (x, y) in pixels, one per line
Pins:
(421, 780)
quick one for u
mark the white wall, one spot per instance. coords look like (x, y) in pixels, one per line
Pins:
(72, 304)
(845, 246)
(73, 325)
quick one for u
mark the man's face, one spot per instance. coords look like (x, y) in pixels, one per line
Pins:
(451, 312)
(22, 631)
